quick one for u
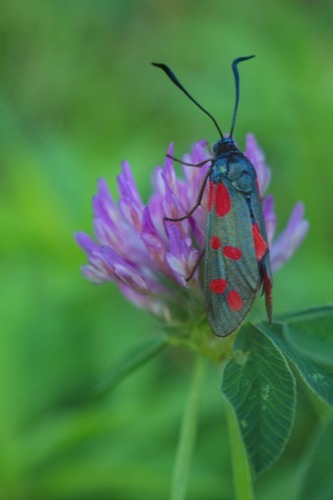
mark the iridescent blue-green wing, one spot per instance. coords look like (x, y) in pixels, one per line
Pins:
(232, 275)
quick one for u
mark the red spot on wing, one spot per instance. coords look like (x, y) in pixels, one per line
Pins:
(222, 202)
(211, 195)
(234, 300)
(260, 244)
(233, 253)
(215, 242)
(218, 286)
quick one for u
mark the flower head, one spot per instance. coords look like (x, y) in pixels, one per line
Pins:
(150, 258)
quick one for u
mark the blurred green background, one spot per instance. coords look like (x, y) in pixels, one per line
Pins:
(77, 96)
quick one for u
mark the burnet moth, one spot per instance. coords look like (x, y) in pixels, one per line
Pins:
(237, 261)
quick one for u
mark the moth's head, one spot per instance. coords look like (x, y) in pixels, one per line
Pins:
(223, 145)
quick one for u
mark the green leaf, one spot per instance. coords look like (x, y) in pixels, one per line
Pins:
(317, 481)
(313, 336)
(312, 312)
(261, 388)
(318, 376)
(133, 360)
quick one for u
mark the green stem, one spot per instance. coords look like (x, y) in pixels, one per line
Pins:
(240, 465)
(187, 436)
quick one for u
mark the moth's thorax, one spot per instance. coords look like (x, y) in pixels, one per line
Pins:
(231, 164)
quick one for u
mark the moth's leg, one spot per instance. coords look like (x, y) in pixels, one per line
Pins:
(198, 203)
(196, 265)
(198, 165)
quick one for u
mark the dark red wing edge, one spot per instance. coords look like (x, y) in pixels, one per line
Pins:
(263, 258)
(267, 289)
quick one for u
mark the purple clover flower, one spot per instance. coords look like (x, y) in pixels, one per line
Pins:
(149, 258)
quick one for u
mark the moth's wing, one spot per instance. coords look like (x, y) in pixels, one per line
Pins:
(265, 262)
(232, 277)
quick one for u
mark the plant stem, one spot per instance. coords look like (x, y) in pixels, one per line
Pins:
(240, 465)
(187, 436)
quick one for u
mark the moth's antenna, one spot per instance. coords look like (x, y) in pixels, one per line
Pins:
(236, 75)
(174, 80)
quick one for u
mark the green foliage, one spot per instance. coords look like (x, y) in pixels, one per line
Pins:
(311, 337)
(317, 481)
(261, 388)
(133, 360)
(318, 376)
